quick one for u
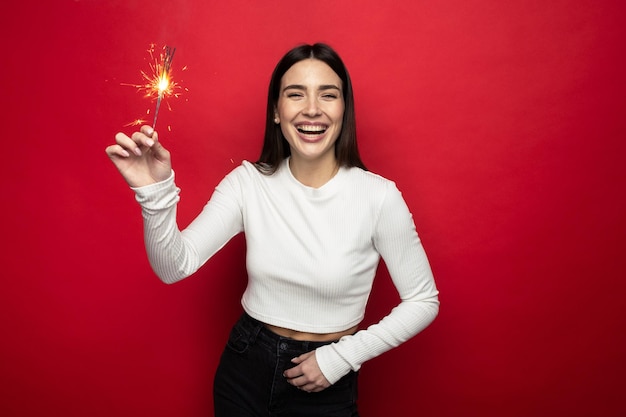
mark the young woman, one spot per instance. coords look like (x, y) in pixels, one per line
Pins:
(316, 224)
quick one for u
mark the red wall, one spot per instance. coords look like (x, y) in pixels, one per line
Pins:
(503, 123)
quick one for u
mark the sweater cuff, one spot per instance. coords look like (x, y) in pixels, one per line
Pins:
(331, 363)
(157, 196)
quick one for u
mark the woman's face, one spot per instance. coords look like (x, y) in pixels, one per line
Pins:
(310, 110)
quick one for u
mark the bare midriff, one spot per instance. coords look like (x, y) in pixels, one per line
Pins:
(311, 337)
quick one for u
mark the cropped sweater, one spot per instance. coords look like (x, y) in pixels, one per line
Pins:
(311, 256)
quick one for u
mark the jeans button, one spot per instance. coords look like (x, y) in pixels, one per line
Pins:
(283, 346)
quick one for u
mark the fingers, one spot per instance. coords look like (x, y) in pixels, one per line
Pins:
(302, 357)
(303, 385)
(296, 371)
(147, 130)
(306, 375)
(137, 143)
(116, 150)
(142, 139)
(308, 387)
(159, 151)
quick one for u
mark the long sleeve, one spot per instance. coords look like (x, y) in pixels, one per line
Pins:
(398, 243)
(173, 254)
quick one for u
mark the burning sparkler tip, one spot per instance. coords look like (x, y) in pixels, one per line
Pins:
(158, 83)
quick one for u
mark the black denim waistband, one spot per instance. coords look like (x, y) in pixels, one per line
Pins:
(258, 331)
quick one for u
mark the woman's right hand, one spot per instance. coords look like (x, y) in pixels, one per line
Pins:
(140, 158)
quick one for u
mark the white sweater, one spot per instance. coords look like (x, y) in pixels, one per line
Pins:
(312, 254)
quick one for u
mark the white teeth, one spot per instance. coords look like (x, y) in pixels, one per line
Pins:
(311, 128)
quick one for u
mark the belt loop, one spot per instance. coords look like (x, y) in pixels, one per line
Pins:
(255, 332)
(256, 327)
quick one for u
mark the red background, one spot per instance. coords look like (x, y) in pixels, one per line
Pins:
(503, 123)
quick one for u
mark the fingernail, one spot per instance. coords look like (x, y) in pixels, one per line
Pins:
(137, 151)
(149, 142)
(150, 131)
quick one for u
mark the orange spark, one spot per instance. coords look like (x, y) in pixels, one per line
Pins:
(136, 122)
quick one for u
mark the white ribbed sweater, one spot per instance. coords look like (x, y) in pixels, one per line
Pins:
(312, 254)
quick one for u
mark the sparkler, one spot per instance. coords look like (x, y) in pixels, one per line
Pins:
(164, 84)
(158, 83)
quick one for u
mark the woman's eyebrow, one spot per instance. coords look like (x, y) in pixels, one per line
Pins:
(329, 87)
(294, 87)
(303, 88)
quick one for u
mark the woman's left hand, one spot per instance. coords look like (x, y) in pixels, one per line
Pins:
(306, 375)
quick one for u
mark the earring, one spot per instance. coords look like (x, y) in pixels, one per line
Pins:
(276, 120)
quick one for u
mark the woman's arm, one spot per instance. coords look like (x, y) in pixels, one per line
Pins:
(176, 254)
(399, 245)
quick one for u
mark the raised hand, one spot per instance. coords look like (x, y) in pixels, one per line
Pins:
(140, 158)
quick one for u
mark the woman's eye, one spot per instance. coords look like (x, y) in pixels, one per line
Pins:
(294, 95)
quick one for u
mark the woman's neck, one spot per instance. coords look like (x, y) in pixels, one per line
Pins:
(313, 173)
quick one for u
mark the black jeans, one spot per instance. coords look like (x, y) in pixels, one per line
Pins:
(249, 381)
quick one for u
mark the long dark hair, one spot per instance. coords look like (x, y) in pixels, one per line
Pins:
(275, 146)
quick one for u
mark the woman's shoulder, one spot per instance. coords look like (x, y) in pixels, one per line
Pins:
(249, 175)
(245, 171)
(369, 179)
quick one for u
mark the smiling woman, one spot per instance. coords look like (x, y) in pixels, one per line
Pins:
(316, 224)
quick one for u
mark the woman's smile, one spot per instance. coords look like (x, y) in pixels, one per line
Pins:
(311, 131)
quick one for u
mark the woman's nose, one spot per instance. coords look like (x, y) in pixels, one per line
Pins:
(312, 107)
